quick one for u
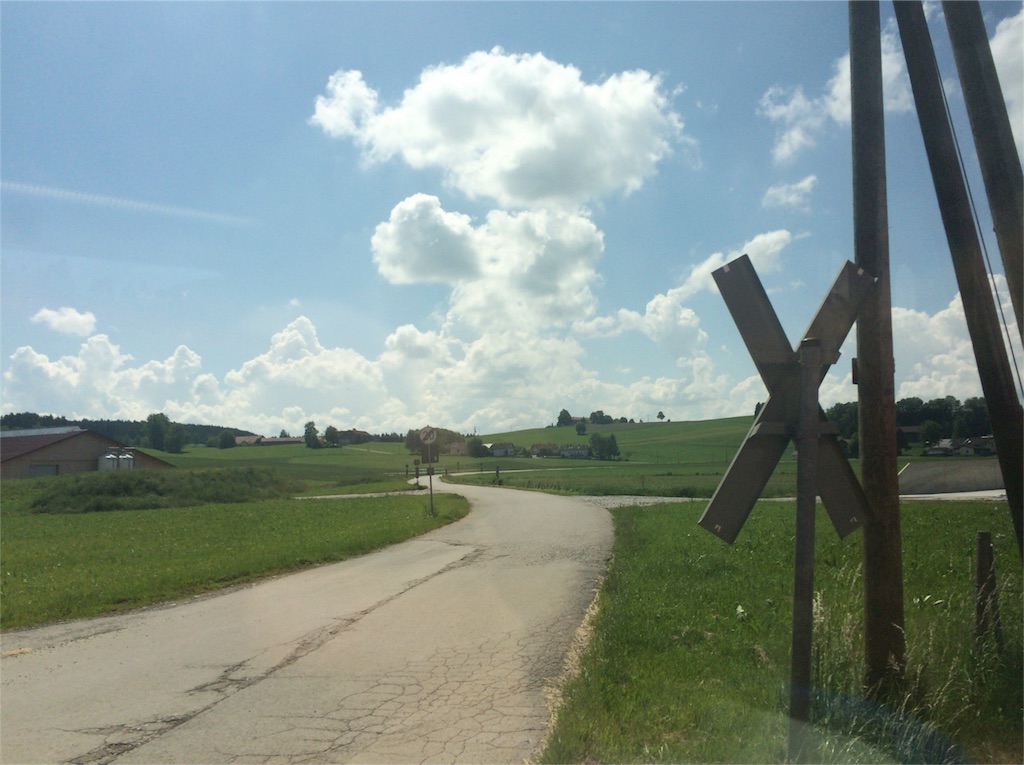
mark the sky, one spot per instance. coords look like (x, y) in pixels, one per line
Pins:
(384, 215)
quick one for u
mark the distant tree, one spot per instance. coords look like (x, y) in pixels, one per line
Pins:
(311, 436)
(156, 430)
(972, 419)
(943, 411)
(332, 436)
(284, 434)
(604, 447)
(174, 441)
(600, 418)
(227, 440)
(661, 416)
(909, 411)
(845, 418)
(931, 431)
(564, 418)
(475, 447)
(581, 428)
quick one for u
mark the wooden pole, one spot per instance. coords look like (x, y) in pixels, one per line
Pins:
(803, 563)
(993, 139)
(884, 640)
(975, 291)
(986, 603)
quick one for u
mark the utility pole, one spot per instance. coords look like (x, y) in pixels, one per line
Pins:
(993, 139)
(884, 638)
(975, 289)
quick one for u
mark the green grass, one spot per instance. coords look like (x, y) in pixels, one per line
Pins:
(676, 672)
(614, 478)
(62, 566)
(150, 489)
(346, 466)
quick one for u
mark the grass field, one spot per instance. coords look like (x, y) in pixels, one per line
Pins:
(689, 659)
(690, 651)
(68, 565)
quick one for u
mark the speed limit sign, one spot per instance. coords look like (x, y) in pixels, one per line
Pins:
(428, 436)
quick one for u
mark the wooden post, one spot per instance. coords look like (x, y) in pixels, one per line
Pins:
(993, 139)
(986, 603)
(803, 564)
(884, 640)
(975, 290)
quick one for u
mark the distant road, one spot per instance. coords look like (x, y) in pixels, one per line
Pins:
(441, 648)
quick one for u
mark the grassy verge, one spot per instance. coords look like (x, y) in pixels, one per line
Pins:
(689, 660)
(692, 479)
(66, 566)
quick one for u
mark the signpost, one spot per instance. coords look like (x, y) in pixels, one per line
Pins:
(427, 437)
(792, 411)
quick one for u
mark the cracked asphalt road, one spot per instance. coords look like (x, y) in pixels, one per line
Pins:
(439, 649)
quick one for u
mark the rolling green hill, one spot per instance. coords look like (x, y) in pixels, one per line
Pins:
(653, 442)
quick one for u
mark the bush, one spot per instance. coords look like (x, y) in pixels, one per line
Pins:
(151, 489)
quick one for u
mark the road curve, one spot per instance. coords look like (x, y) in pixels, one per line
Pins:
(439, 649)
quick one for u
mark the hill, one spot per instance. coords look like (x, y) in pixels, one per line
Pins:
(653, 442)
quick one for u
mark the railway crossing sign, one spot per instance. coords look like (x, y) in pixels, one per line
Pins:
(775, 425)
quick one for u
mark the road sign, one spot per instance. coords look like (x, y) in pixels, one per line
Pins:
(776, 423)
(428, 436)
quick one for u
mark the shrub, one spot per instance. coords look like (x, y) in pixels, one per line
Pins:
(151, 489)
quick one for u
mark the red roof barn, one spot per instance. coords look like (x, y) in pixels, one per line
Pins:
(56, 451)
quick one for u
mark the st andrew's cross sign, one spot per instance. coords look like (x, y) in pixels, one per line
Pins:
(775, 425)
(792, 412)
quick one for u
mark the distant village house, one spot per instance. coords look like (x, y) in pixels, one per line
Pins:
(575, 451)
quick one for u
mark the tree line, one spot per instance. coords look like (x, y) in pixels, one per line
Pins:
(935, 420)
(157, 431)
(597, 417)
(331, 437)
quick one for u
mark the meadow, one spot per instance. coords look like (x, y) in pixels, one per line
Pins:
(689, 658)
(96, 543)
(689, 655)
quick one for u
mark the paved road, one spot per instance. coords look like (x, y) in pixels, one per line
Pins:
(440, 649)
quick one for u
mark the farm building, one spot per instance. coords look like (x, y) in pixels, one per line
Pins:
(56, 451)
(575, 451)
(502, 449)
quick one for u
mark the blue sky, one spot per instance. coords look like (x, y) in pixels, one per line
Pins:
(470, 215)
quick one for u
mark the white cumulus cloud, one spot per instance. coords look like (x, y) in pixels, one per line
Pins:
(519, 129)
(67, 321)
(1008, 52)
(794, 195)
(667, 320)
(801, 119)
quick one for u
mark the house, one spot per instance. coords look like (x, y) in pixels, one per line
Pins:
(942, 448)
(981, 446)
(503, 449)
(544, 450)
(349, 437)
(247, 440)
(58, 451)
(574, 451)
